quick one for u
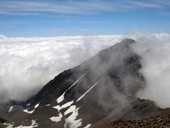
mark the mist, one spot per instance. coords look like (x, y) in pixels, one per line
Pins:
(155, 52)
(27, 64)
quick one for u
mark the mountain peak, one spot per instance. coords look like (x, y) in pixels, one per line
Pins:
(103, 86)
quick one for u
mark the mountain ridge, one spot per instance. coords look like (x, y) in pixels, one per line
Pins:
(103, 86)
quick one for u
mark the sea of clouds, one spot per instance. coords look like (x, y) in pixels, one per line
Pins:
(26, 64)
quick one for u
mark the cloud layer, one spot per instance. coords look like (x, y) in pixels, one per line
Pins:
(26, 64)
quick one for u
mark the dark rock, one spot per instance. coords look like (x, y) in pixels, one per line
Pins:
(2, 120)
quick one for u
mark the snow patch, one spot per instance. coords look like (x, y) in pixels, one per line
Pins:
(33, 125)
(56, 118)
(72, 121)
(87, 126)
(29, 112)
(36, 106)
(76, 81)
(10, 109)
(87, 91)
(10, 126)
(67, 104)
(47, 104)
(61, 98)
(57, 107)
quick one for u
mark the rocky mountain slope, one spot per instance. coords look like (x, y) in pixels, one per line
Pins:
(93, 94)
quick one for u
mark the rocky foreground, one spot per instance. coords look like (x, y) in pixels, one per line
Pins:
(149, 116)
(145, 114)
(150, 122)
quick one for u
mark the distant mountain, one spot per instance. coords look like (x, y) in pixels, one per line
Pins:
(93, 94)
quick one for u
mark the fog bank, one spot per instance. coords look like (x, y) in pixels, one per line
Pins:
(155, 52)
(26, 64)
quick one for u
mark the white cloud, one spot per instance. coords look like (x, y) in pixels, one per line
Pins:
(155, 50)
(75, 7)
(26, 64)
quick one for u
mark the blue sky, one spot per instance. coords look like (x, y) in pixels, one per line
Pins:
(82, 17)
